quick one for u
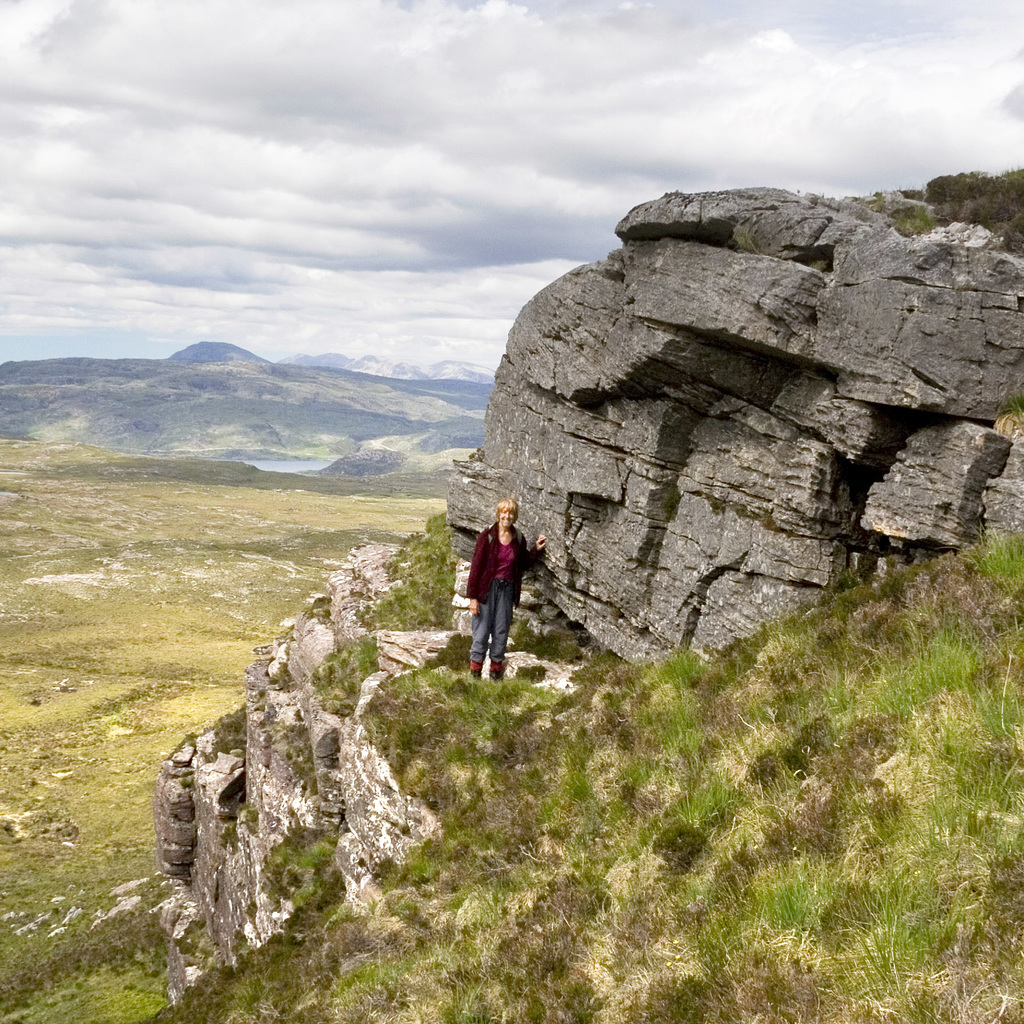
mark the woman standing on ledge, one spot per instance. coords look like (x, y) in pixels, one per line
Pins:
(495, 580)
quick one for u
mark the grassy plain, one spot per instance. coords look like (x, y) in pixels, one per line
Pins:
(132, 592)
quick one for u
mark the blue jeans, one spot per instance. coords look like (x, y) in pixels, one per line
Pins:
(493, 623)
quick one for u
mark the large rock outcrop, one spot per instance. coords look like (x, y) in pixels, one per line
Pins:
(755, 393)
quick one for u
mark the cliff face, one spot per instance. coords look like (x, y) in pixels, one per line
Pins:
(756, 393)
(283, 765)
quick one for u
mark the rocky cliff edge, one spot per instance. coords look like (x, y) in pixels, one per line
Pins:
(283, 765)
(294, 765)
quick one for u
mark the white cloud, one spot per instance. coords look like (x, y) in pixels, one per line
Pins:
(367, 175)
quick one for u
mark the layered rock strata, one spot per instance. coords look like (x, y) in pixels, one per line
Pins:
(285, 765)
(757, 392)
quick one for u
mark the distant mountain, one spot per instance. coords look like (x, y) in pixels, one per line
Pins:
(449, 369)
(216, 352)
(331, 360)
(238, 409)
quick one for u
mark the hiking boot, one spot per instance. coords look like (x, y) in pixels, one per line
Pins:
(497, 671)
(476, 669)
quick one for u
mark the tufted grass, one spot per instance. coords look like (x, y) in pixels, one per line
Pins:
(824, 823)
(425, 570)
(1010, 419)
(916, 221)
(338, 680)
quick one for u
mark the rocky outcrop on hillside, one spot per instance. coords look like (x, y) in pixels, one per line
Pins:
(756, 393)
(284, 765)
(295, 763)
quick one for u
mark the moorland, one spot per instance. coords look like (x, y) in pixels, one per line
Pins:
(132, 593)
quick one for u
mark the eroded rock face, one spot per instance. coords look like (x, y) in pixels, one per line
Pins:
(756, 392)
(362, 580)
(933, 493)
(1004, 497)
(383, 823)
(220, 813)
(174, 814)
(244, 804)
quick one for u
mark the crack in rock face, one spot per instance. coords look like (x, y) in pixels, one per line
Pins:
(757, 392)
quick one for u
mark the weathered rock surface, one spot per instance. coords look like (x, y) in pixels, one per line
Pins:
(771, 221)
(924, 324)
(174, 814)
(362, 580)
(243, 807)
(311, 643)
(383, 823)
(1004, 497)
(400, 650)
(219, 813)
(933, 493)
(757, 392)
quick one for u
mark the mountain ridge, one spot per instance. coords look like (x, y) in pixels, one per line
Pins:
(447, 369)
(230, 409)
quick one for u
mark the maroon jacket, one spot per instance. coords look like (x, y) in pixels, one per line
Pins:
(485, 563)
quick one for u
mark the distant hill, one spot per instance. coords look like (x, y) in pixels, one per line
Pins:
(448, 369)
(237, 409)
(216, 352)
(330, 360)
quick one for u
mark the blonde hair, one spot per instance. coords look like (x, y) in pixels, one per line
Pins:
(511, 505)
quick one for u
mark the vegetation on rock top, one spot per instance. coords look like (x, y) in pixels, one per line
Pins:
(996, 201)
(338, 680)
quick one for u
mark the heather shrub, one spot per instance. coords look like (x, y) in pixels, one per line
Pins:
(995, 201)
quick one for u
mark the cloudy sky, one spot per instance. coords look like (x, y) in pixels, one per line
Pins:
(397, 177)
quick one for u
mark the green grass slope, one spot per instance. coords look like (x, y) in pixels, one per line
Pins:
(822, 824)
(230, 409)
